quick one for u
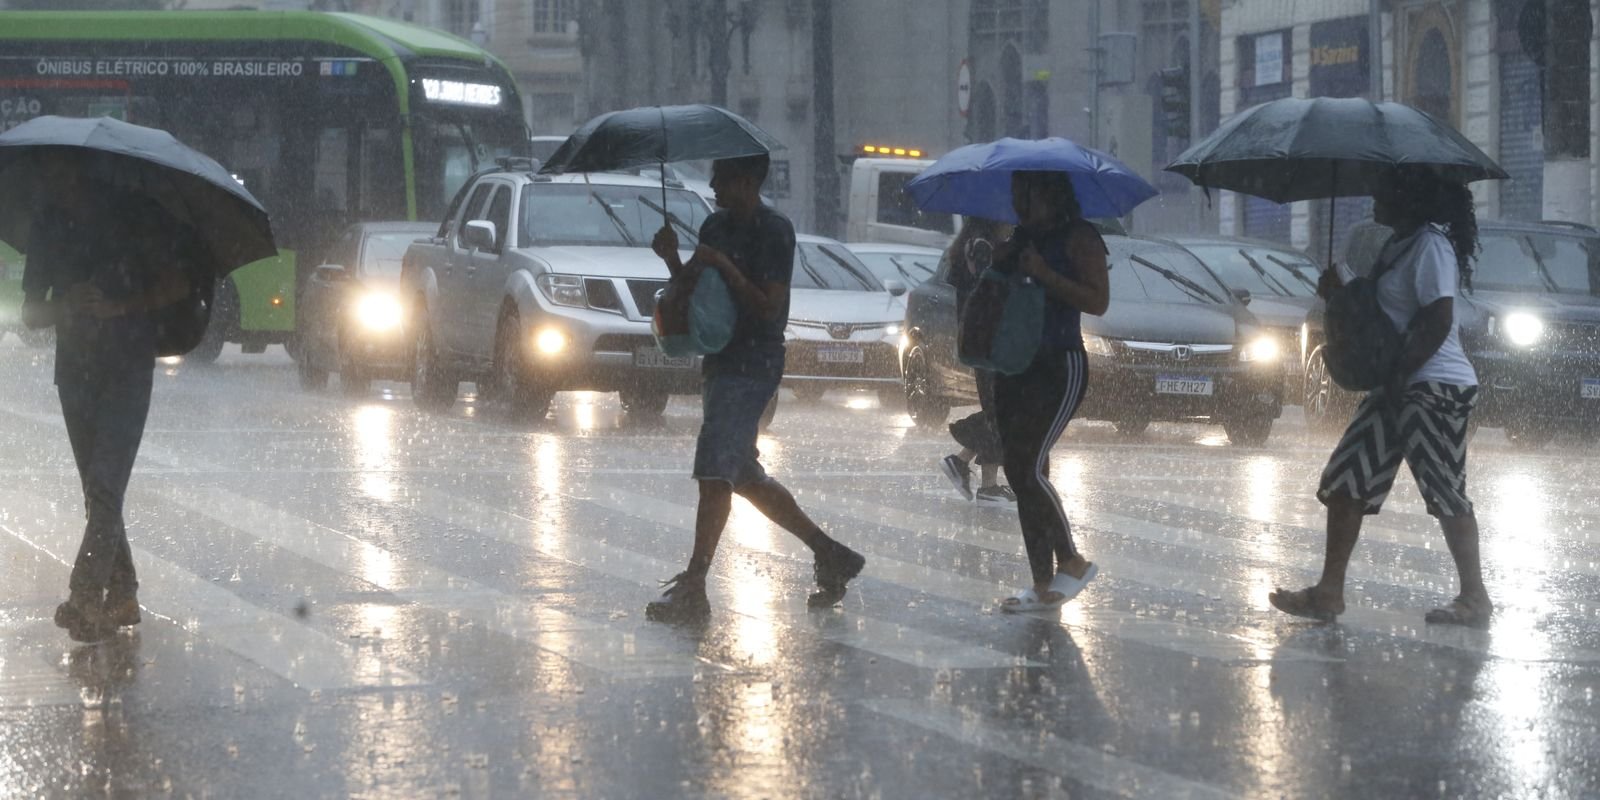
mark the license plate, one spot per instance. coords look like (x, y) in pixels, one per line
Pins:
(1591, 389)
(653, 358)
(841, 355)
(1184, 384)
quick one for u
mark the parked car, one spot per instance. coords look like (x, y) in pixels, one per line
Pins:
(1174, 345)
(1278, 283)
(844, 323)
(350, 315)
(1530, 325)
(908, 263)
(537, 284)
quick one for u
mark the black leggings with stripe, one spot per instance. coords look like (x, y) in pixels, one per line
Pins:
(1031, 410)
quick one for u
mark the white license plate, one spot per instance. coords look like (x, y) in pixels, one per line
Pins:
(1591, 389)
(653, 358)
(841, 355)
(1184, 384)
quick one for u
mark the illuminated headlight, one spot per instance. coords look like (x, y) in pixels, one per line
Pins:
(550, 342)
(564, 290)
(1523, 329)
(1262, 349)
(379, 311)
(1096, 345)
(892, 329)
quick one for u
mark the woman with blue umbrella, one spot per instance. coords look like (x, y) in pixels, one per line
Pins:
(1049, 188)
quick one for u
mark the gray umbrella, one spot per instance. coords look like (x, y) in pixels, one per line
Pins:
(231, 223)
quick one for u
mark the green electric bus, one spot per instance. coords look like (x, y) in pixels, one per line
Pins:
(329, 119)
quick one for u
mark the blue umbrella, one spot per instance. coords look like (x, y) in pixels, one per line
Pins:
(975, 180)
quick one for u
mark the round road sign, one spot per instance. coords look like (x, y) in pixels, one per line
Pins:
(964, 87)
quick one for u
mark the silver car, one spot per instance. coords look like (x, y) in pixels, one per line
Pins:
(844, 323)
(536, 284)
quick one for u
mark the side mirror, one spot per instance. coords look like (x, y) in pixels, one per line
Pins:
(479, 235)
(1243, 295)
(330, 273)
(896, 288)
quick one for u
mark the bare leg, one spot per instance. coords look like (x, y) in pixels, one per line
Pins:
(1344, 528)
(989, 475)
(716, 500)
(777, 504)
(1461, 534)
(967, 454)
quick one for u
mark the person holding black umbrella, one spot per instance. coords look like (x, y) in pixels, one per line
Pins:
(752, 247)
(95, 273)
(1421, 416)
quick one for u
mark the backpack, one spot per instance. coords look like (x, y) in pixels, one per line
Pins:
(1002, 323)
(1362, 345)
(695, 315)
(181, 325)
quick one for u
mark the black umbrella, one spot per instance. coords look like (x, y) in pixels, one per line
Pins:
(659, 135)
(1303, 149)
(231, 224)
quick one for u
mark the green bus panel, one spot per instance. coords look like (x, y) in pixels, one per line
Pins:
(266, 293)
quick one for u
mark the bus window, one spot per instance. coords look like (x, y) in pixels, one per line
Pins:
(331, 176)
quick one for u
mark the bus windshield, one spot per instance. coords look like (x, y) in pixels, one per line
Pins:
(450, 147)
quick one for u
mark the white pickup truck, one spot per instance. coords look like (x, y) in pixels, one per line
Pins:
(881, 211)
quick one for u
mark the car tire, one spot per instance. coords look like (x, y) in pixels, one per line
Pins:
(644, 403)
(224, 321)
(42, 337)
(312, 377)
(927, 410)
(1529, 435)
(1325, 405)
(513, 392)
(1248, 431)
(808, 392)
(432, 389)
(1132, 426)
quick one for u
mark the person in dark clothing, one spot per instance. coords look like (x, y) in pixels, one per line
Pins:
(93, 273)
(976, 433)
(752, 247)
(1059, 250)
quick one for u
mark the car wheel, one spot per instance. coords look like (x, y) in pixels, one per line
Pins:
(312, 377)
(1248, 431)
(432, 389)
(1132, 426)
(1325, 405)
(926, 408)
(513, 392)
(808, 392)
(224, 319)
(644, 403)
(1529, 434)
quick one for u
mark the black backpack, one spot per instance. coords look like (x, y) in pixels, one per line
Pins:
(181, 325)
(1363, 346)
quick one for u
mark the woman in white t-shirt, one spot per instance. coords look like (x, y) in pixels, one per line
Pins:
(1420, 417)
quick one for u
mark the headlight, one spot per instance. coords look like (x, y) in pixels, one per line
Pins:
(892, 329)
(378, 311)
(550, 341)
(1523, 329)
(564, 290)
(1262, 349)
(1096, 345)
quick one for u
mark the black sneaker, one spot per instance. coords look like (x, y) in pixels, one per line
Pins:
(996, 496)
(959, 473)
(684, 601)
(84, 622)
(122, 608)
(832, 573)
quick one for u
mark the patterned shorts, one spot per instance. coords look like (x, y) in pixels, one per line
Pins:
(1429, 433)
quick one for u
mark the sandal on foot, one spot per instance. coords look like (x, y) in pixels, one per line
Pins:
(1028, 600)
(1301, 604)
(1461, 612)
(1069, 587)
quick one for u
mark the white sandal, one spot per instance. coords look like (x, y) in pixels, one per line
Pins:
(1069, 587)
(1025, 601)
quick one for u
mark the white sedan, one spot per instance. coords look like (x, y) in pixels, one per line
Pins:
(909, 263)
(844, 323)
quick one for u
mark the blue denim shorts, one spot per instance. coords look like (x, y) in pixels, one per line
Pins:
(726, 449)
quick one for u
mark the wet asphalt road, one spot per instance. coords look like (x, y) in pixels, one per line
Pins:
(349, 597)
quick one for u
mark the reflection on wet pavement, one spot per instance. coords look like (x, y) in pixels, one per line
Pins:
(349, 597)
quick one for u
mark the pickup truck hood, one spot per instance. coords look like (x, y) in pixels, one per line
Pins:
(818, 305)
(600, 262)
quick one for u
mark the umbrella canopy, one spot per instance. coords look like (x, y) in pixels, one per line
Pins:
(231, 223)
(658, 135)
(975, 180)
(1304, 149)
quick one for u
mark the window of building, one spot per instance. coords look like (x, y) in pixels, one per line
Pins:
(459, 16)
(554, 16)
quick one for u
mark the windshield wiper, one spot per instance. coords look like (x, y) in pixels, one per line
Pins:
(1290, 268)
(616, 219)
(867, 282)
(1271, 282)
(1189, 287)
(1544, 272)
(694, 235)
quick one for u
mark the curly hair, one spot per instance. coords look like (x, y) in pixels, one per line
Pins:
(1446, 203)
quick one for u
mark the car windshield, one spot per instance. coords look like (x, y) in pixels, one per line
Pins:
(909, 268)
(832, 267)
(1164, 275)
(383, 252)
(606, 215)
(1537, 263)
(1260, 271)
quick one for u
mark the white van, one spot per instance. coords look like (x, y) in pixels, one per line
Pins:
(882, 211)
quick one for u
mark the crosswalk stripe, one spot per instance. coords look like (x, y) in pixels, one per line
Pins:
(1190, 640)
(1080, 763)
(886, 639)
(625, 654)
(305, 657)
(27, 677)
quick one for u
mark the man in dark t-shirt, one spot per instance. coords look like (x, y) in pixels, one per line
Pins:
(752, 247)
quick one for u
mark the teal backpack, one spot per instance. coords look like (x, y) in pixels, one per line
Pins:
(694, 316)
(1002, 324)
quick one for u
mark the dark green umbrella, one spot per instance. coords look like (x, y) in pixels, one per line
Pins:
(1305, 149)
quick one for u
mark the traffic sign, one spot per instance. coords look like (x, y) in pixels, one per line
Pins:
(964, 87)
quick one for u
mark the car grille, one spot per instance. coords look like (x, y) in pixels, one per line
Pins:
(602, 293)
(1168, 356)
(644, 295)
(840, 330)
(623, 342)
